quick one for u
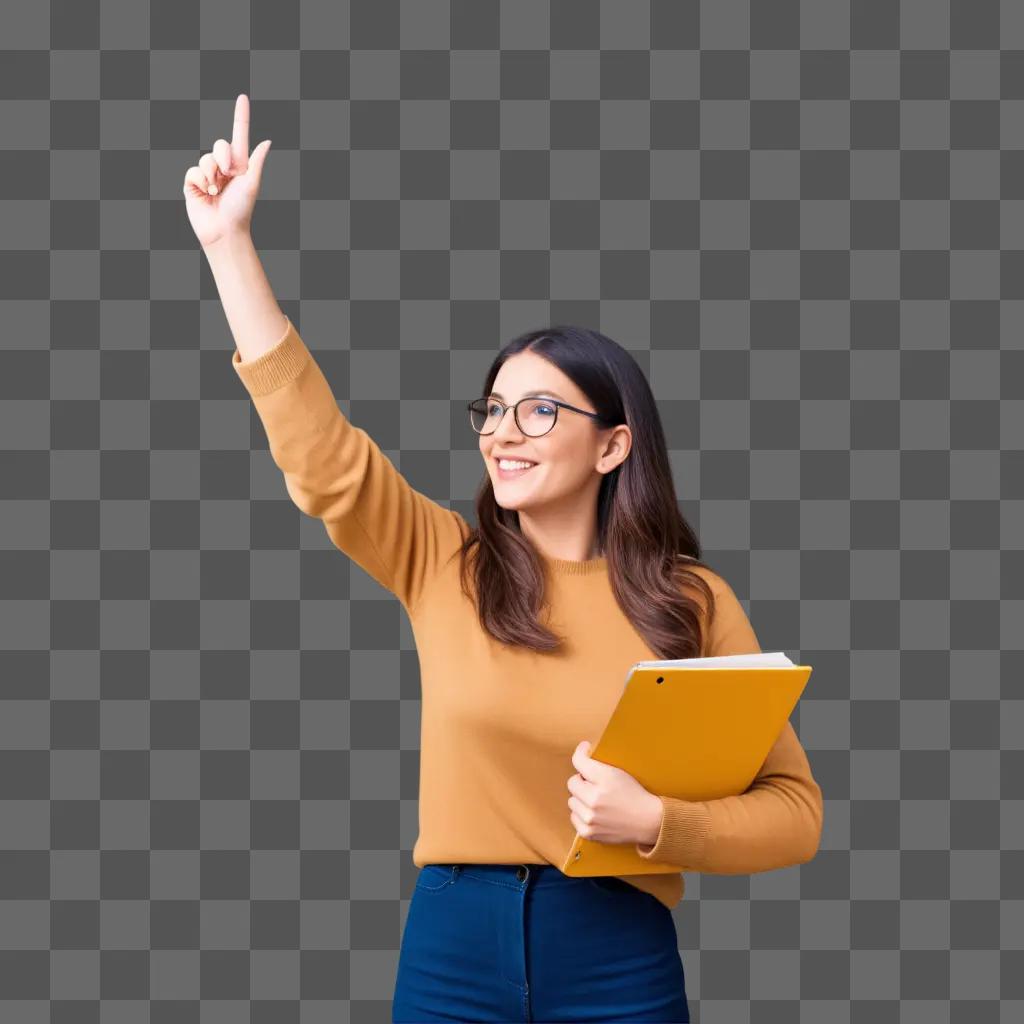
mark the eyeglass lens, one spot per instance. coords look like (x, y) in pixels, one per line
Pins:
(536, 416)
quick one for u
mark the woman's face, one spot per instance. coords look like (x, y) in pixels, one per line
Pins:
(565, 459)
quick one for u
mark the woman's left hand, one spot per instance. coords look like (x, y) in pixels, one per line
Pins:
(608, 805)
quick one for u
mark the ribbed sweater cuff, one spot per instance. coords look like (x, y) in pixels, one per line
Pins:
(682, 838)
(276, 367)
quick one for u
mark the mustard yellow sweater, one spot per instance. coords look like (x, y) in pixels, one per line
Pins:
(499, 723)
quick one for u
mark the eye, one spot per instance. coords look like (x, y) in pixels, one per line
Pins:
(548, 407)
(492, 407)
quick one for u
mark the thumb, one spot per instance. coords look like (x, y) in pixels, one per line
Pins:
(256, 160)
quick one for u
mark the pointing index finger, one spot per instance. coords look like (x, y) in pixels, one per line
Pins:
(240, 132)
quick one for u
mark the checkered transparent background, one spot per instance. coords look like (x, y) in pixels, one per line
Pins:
(806, 220)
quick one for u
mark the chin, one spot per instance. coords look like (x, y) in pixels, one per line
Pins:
(509, 502)
(509, 506)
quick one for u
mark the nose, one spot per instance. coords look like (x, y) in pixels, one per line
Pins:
(507, 427)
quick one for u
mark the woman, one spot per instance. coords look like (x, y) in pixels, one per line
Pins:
(525, 628)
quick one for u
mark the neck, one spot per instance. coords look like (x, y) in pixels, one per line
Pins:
(559, 540)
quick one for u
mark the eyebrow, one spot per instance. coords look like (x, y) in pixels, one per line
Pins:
(529, 394)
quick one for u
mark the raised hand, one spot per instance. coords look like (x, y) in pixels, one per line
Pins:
(220, 191)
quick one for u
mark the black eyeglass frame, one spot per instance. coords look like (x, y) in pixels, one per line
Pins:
(530, 398)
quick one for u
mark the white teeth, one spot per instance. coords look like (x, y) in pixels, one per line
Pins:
(506, 464)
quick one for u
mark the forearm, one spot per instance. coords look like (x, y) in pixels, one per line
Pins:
(776, 823)
(253, 314)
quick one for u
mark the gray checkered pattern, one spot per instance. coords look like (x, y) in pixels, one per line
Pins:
(806, 220)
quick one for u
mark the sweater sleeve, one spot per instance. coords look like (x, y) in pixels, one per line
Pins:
(335, 472)
(776, 822)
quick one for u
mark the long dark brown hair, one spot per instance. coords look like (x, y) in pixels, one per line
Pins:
(640, 530)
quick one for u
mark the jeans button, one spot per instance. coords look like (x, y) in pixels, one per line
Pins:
(522, 872)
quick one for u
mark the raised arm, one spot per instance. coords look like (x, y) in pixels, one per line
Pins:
(332, 469)
(776, 822)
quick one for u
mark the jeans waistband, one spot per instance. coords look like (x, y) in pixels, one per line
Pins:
(536, 875)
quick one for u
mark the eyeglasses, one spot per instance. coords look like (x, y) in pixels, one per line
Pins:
(534, 416)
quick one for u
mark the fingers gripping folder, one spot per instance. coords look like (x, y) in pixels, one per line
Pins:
(691, 728)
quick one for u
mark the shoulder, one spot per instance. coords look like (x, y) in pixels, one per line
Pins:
(730, 630)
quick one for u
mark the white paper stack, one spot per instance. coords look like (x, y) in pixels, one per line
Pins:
(770, 659)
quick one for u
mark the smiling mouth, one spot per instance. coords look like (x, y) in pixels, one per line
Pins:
(509, 474)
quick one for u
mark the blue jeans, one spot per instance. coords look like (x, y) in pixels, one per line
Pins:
(527, 943)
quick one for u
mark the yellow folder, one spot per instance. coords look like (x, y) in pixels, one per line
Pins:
(696, 729)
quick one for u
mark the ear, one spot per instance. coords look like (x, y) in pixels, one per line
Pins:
(616, 448)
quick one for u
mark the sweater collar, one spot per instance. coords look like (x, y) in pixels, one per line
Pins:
(573, 567)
